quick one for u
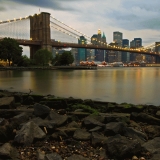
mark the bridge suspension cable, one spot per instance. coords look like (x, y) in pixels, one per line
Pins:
(17, 28)
(77, 32)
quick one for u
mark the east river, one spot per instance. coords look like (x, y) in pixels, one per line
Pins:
(139, 85)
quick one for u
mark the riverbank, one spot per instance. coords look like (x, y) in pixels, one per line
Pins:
(49, 127)
(50, 68)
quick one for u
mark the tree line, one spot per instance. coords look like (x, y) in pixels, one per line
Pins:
(11, 51)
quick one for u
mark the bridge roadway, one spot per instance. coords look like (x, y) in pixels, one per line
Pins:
(87, 46)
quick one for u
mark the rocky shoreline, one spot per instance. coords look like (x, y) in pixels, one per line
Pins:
(37, 127)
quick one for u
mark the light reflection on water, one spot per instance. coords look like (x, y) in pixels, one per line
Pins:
(131, 85)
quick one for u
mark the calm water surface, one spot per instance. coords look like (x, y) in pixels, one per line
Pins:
(131, 85)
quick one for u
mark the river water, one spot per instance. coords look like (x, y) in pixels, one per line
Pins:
(113, 84)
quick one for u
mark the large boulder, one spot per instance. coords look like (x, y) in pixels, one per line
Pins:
(7, 103)
(28, 133)
(119, 147)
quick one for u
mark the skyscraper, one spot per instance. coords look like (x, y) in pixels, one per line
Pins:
(136, 43)
(125, 55)
(99, 39)
(117, 38)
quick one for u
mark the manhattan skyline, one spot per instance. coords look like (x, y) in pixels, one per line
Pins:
(135, 19)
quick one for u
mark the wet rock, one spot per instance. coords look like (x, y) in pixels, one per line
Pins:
(41, 110)
(77, 157)
(120, 147)
(57, 118)
(22, 117)
(81, 134)
(28, 133)
(7, 103)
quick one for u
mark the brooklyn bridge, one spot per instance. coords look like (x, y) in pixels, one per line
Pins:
(44, 31)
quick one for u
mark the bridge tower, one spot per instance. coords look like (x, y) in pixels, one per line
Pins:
(40, 30)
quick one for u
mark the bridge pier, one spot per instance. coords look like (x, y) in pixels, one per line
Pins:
(40, 30)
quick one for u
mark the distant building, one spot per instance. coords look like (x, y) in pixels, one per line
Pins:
(82, 52)
(137, 43)
(125, 55)
(99, 39)
(117, 38)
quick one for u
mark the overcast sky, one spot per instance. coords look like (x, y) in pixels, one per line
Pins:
(134, 18)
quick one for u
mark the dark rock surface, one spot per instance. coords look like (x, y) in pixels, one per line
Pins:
(47, 127)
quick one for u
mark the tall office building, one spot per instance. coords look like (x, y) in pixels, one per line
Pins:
(136, 43)
(117, 38)
(99, 39)
(82, 53)
(125, 55)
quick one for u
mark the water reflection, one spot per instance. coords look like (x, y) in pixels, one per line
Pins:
(131, 85)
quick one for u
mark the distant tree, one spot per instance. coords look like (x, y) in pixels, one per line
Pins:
(24, 61)
(65, 58)
(42, 56)
(10, 50)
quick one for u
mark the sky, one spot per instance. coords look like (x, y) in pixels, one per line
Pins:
(134, 18)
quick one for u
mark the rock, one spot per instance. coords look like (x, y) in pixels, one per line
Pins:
(73, 124)
(119, 147)
(143, 117)
(41, 110)
(28, 133)
(7, 103)
(134, 134)
(40, 155)
(22, 117)
(77, 157)
(57, 119)
(98, 139)
(152, 131)
(114, 128)
(90, 122)
(158, 114)
(81, 134)
(52, 156)
(7, 151)
(153, 146)
(67, 130)
(116, 117)
(49, 124)
(96, 129)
